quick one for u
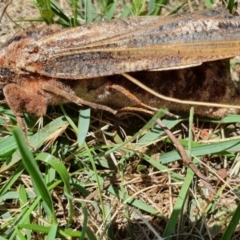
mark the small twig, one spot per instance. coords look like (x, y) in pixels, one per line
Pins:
(185, 157)
(5, 9)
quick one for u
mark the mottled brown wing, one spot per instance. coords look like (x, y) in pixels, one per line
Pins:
(142, 43)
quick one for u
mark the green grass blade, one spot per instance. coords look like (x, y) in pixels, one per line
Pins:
(35, 227)
(19, 235)
(133, 202)
(8, 146)
(75, 12)
(57, 165)
(83, 125)
(220, 147)
(232, 225)
(88, 10)
(52, 234)
(157, 131)
(32, 168)
(46, 12)
(23, 199)
(37, 140)
(64, 20)
(60, 169)
(177, 210)
(111, 11)
(85, 220)
(11, 180)
(176, 177)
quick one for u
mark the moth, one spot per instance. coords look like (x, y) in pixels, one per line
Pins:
(49, 66)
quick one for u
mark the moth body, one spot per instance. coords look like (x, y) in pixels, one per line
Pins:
(83, 60)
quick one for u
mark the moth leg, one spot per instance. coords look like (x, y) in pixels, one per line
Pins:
(131, 97)
(23, 126)
(22, 123)
(22, 100)
(133, 109)
(12, 103)
(73, 98)
(143, 107)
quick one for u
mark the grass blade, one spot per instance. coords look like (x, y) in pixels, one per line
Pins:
(32, 168)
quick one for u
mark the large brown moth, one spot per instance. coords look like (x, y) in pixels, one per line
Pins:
(50, 66)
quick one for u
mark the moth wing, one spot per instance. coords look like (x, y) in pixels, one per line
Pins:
(104, 62)
(142, 43)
